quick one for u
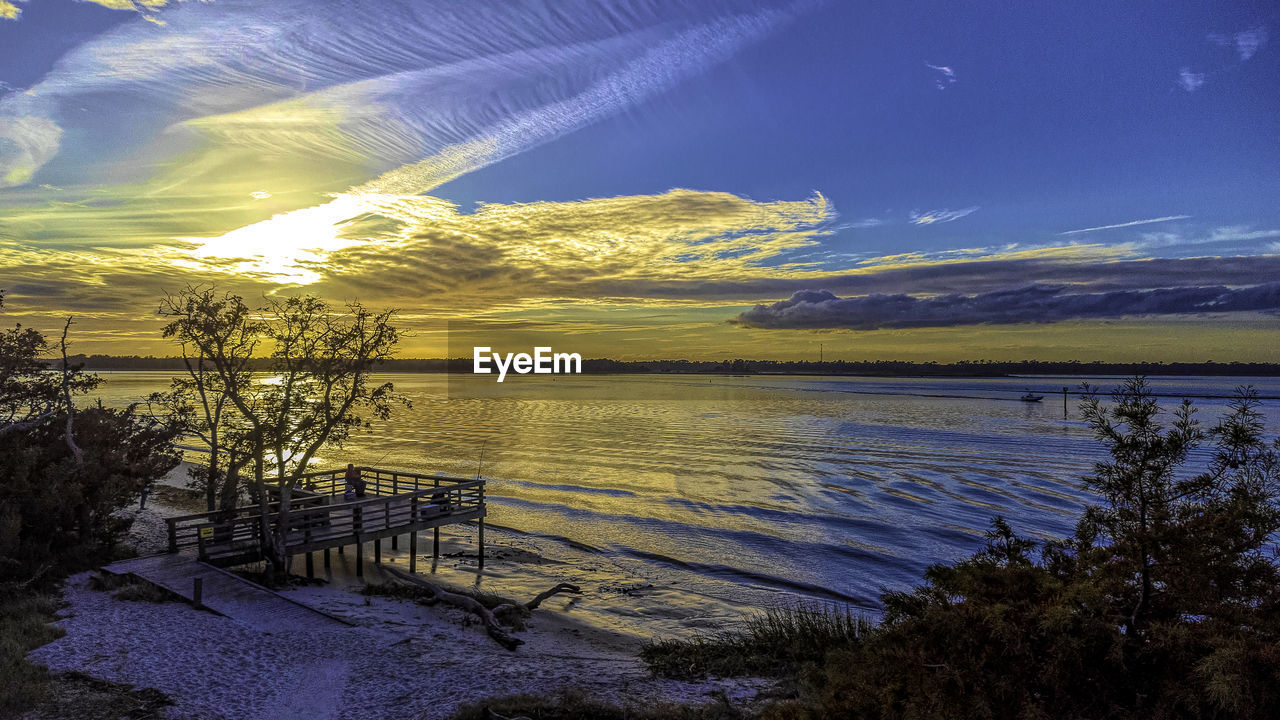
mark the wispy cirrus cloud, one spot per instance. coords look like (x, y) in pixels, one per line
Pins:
(1131, 223)
(374, 85)
(1189, 80)
(942, 215)
(943, 77)
(1246, 43)
(820, 309)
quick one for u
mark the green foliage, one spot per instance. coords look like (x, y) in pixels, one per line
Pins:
(1164, 604)
(63, 474)
(770, 643)
(577, 705)
(56, 508)
(24, 626)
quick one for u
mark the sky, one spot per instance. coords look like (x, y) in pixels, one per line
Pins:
(655, 179)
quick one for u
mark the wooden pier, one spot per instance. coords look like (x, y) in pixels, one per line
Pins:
(396, 504)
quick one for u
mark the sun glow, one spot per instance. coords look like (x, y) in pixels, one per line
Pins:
(281, 248)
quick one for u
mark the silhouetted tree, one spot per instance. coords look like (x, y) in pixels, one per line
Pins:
(63, 470)
(315, 392)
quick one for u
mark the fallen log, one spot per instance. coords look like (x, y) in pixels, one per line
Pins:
(489, 617)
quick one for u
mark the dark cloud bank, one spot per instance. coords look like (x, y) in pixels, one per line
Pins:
(1028, 304)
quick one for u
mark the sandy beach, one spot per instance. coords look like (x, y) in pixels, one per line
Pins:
(398, 660)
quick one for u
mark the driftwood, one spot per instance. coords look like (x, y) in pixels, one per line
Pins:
(489, 617)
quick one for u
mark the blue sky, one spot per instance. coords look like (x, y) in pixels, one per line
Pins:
(1061, 117)
(809, 142)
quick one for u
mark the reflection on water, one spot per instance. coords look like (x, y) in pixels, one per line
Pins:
(689, 498)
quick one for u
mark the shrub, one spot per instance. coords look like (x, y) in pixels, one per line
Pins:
(773, 642)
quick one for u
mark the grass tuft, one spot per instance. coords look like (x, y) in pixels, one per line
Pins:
(24, 626)
(775, 642)
(130, 588)
(575, 704)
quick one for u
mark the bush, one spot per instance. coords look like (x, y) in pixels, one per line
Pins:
(774, 642)
(24, 626)
(1164, 604)
(55, 508)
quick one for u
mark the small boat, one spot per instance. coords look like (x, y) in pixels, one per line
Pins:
(1031, 397)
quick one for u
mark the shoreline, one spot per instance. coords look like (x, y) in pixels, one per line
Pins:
(399, 660)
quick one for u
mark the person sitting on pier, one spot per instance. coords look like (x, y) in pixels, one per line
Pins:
(355, 483)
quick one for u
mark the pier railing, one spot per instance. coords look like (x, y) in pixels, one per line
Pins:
(395, 503)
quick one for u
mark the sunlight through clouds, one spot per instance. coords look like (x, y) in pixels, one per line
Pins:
(531, 159)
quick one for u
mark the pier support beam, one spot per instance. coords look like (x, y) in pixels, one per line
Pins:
(482, 542)
(435, 543)
(377, 551)
(311, 565)
(413, 551)
(395, 544)
(326, 558)
(359, 559)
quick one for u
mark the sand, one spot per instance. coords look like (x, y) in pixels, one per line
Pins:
(400, 660)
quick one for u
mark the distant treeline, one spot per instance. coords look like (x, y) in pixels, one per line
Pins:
(883, 368)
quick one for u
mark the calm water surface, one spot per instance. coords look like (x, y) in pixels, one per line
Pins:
(683, 499)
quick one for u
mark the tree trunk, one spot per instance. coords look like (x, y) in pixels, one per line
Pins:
(489, 617)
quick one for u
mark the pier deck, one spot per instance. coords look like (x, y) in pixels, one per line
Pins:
(224, 593)
(396, 503)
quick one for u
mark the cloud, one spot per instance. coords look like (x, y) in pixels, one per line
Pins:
(1190, 81)
(1250, 41)
(135, 5)
(577, 250)
(378, 84)
(820, 309)
(932, 217)
(944, 76)
(1232, 239)
(9, 11)
(1247, 43)
(26, 143)
(1131, 223)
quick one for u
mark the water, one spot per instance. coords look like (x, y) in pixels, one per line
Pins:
(678, 501)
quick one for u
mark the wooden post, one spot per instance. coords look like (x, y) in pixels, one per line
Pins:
(340, 547)
(394, 542)
(435, 542)
(481, 542)
(377, 551)
(413, 551)
(359, 559)
(173, 535)
(326, 558)
(197, 593)
(311, 565)
(1064, 403)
